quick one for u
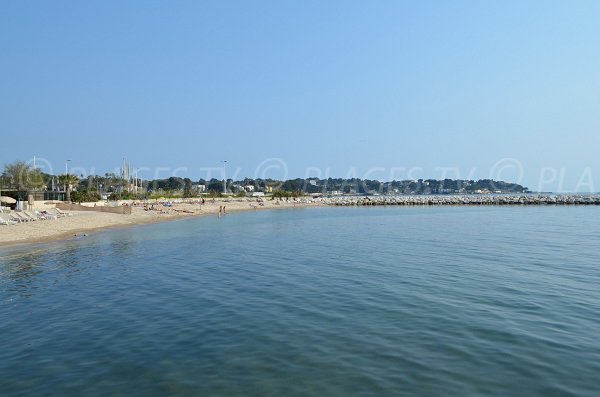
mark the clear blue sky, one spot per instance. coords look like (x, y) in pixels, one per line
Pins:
(365, 88)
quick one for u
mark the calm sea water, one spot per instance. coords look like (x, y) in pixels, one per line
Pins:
(317, 302)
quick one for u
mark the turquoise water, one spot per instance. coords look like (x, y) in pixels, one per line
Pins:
(318, 302)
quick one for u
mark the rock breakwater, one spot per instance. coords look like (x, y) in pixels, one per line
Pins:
(563, 199)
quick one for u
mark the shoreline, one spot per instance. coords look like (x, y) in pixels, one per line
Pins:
(88, 222)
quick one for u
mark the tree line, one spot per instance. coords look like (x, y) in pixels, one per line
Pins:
(22, 177)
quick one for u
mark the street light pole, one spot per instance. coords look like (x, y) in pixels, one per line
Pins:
(67, 175)
(34, 187)
(224, 178)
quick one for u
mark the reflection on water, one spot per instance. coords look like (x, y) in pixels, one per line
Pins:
(335, 302)
(18, 271)
(20, 268)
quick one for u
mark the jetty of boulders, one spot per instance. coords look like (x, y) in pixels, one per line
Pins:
(508, 199)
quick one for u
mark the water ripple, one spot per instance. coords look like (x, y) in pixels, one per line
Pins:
(326, 302)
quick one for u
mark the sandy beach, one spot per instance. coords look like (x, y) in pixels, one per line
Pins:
(85, 222)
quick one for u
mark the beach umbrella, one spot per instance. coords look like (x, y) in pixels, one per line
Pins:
(7, 200)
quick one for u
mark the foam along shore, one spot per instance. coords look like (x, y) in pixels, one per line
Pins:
(84, 222)
(508, 199)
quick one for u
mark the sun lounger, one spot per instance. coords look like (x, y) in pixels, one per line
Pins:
(5, 221)
(46, 215)
(15, 218)
(33, 215)
(23, 217)
(30, 216)
(59, 211)
(61, 214)
(53, 213)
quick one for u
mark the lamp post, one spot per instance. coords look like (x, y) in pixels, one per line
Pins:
(34, 187)
(224, 178)
(67, 175)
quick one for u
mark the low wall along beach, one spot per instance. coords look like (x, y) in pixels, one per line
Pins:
(121, 209)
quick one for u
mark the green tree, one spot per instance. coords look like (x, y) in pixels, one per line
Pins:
(216, 185)
(22, 177)
(187, 187)
(85, 196)
(68, 180)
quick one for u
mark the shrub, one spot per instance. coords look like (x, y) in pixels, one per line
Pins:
(85, 197)
(285, 193)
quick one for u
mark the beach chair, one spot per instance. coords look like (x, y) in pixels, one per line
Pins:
(59, 211)
(53, 213)
(5, 221)
(30, 216)
(13, 217)
(27, 216)
(46, 215)
(22, 217)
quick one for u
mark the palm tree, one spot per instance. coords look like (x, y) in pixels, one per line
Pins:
(69, 181)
